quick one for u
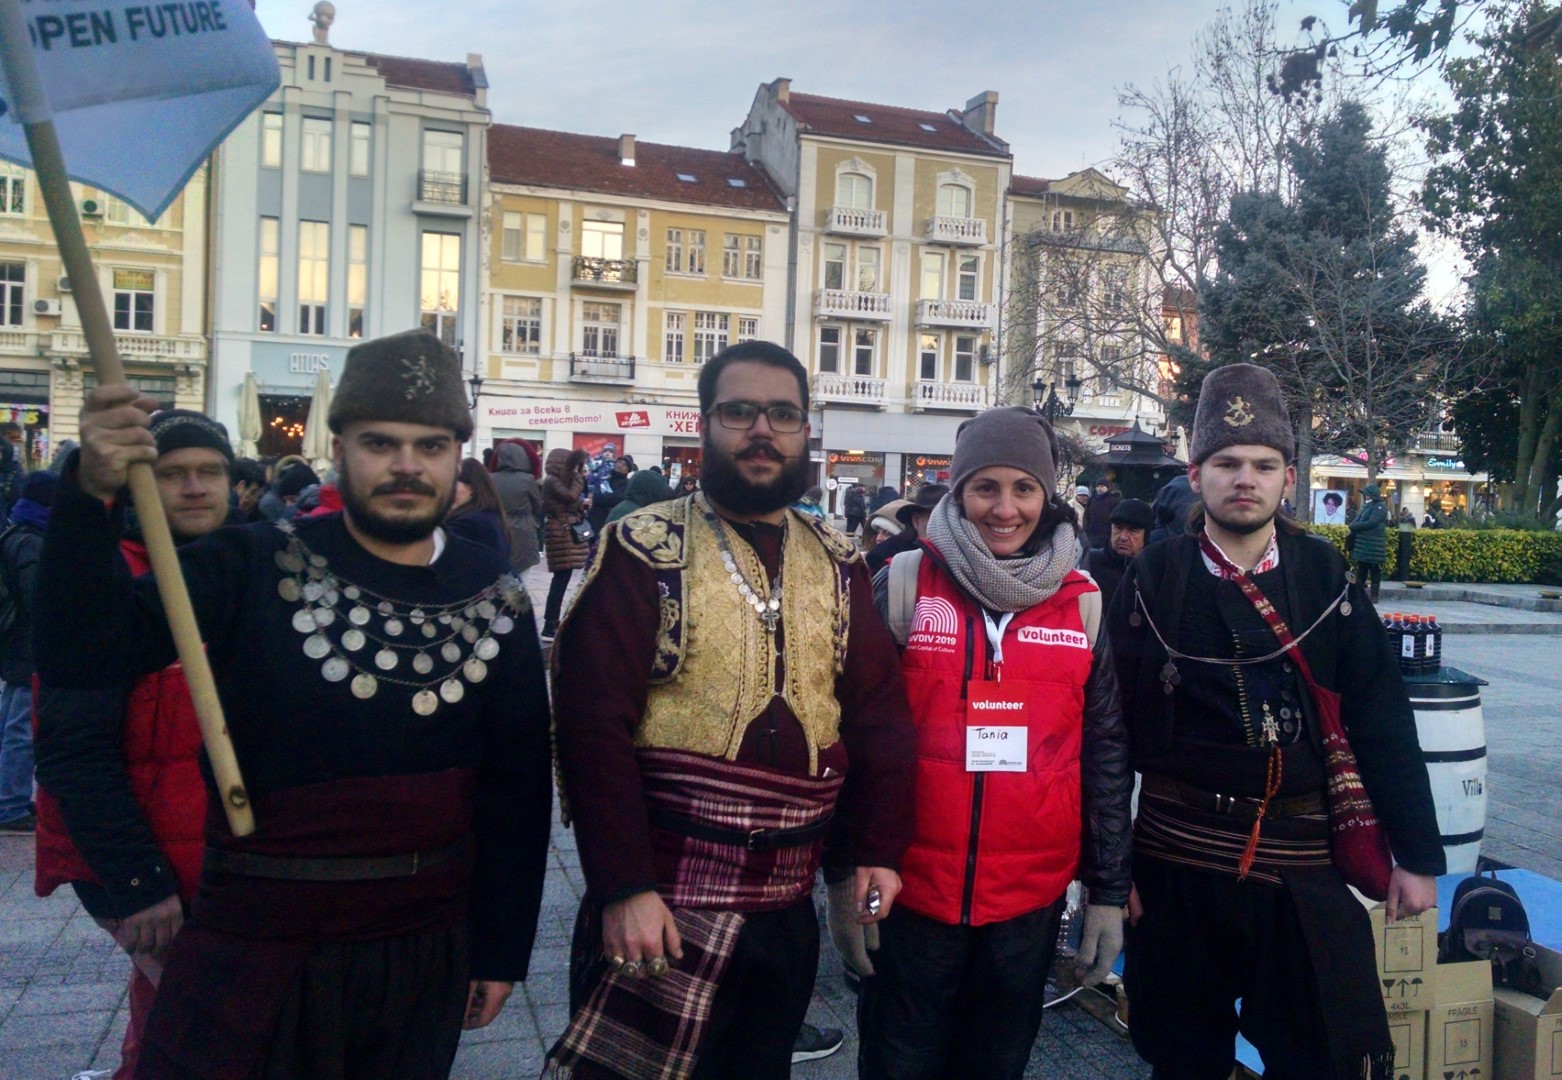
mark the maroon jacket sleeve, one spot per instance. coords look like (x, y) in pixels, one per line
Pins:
(877, 808)
(604, 656)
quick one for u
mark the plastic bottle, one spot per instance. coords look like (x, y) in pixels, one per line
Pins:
(1395, 624)
(1434, 644)
(1418, 650)
(1407, 644)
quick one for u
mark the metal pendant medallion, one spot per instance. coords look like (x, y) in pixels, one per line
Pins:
(358, 616)
(486, 609)
(351, 592)
(316, 647)
(353, 640)
(324, 616)
(317, 561)
(290, 561)
(384, 608)
(385, 659)
(452, 690)
(503, 624)
(486, 648)
(423, 663)
(1135, 620)
(288, 590)
(474, 670)
(469, 633)
(334, 669)
(429, 629)
(331, 597)
(304, 621)
(364, 686)
(1345, 608)
(313, 591)
(393, 627)
(424, 702)
(451, 652)
(416, 616)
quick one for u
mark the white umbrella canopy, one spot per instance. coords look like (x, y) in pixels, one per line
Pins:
(249, 417)
(317, 431)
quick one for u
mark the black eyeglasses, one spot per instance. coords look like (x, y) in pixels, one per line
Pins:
(741, 416)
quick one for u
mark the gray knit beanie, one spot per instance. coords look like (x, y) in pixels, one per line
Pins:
(1240, 405)
(411, 377)
(1017, 437)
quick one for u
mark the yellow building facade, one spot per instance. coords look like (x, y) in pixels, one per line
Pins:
(153, 278)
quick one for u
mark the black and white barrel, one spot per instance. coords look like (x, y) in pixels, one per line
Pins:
(1447, 705)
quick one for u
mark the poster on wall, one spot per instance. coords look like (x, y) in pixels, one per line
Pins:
(1329, 507)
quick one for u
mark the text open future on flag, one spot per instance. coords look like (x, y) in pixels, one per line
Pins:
(140, 92)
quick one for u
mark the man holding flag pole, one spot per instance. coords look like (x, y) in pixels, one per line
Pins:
(382, 680)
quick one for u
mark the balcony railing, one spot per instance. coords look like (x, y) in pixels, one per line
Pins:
(606, 273)
(1439, 442)
(601, 368)
(845, 304)
(441, 187)
(970, 314)
(23, 342)
(849, 221)
(139, 346)
(849, 390)
(954, 230)
(1087, 238)
(964, 396)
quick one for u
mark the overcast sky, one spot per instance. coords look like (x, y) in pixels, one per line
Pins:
(685, 71)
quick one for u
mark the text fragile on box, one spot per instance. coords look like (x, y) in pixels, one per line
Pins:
(1408, 1030)
(1407, 958)
(1529, 1035)
(1459, 1024)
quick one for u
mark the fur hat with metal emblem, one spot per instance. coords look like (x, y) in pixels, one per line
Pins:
(1240, 405)
(411, 377)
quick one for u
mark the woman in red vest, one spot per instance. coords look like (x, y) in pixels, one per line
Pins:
(1023, 781)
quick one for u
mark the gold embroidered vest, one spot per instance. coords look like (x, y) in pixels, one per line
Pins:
(715, 663)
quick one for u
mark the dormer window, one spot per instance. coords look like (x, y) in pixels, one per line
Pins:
(687, 178)
(927, 127)
(861, 119)
(733, 181)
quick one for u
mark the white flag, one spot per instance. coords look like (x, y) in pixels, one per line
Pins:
(140, 91)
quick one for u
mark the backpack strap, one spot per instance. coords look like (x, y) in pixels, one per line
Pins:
(1090, 614)
(903, 570)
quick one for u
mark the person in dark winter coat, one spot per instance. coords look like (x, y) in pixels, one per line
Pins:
(1171, 506)
(1369, 544)
(855, 506)
(563, 508)
(1098, 515)
(881, 499)
(476, 513)
(1130, 524)
(605, 494)
(644, 488)
(21, 545)
(520, 498)
(11, 475)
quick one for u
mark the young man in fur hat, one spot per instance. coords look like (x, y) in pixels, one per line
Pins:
(384, 690)
(1225, 731)
(724, 695)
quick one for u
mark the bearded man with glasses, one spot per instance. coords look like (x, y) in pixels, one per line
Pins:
(726, 702)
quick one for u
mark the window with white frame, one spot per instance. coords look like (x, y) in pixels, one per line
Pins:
(599, 324)
(932, 276)
(1062, 221)
(968, 275)
(830, 350)
(710, 334)
(523, 237)
(865, 348)
(1106, 382)
(834, 266)
(314, 275)
(1114, 287)
(753, 258)
(314, 151)
(748, 328)
(439, 291)
(358, 149)
(117, 211)
(13, 191)
(674, 259)
(854, 191)
(271, 140)
(357, 278)
(696, 263)
(442, 152)
(672, 342)
(954, 201)
(602, 239)
(929, 347)
(135, 300)
(267, 274)
(731, 255)
(521, 328)
(965, 357)
(868, 269)
(13, 283)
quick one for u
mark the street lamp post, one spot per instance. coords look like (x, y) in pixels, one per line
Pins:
(1047, 402)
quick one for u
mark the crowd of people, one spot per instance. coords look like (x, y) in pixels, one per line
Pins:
(946, 727)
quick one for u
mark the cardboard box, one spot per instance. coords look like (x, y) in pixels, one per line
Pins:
(1408, 1030)
(1459, 1024)
(1529, 1036)
(1407, 958)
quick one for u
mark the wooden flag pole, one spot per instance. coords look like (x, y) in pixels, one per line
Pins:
(49, 165)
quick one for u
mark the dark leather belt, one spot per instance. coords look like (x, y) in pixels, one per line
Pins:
(362, 868)
(1164, 787)
(752, 839)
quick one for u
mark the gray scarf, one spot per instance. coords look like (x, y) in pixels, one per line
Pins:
(999, 584)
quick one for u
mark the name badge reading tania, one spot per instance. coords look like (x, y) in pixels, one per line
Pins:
(992, 741)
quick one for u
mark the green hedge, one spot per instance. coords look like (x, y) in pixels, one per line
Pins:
(1487, 555)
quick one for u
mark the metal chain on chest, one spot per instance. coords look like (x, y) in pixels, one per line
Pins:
(768, 610)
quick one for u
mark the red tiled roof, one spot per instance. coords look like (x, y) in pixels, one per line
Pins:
(889, 124)
(410, 73)
(522, 155)
(1028, 185)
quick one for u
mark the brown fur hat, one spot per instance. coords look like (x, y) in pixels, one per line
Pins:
(1240, 405)
(411, 378)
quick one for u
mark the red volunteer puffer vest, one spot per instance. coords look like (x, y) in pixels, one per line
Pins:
(991, 846)
(162, 745)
